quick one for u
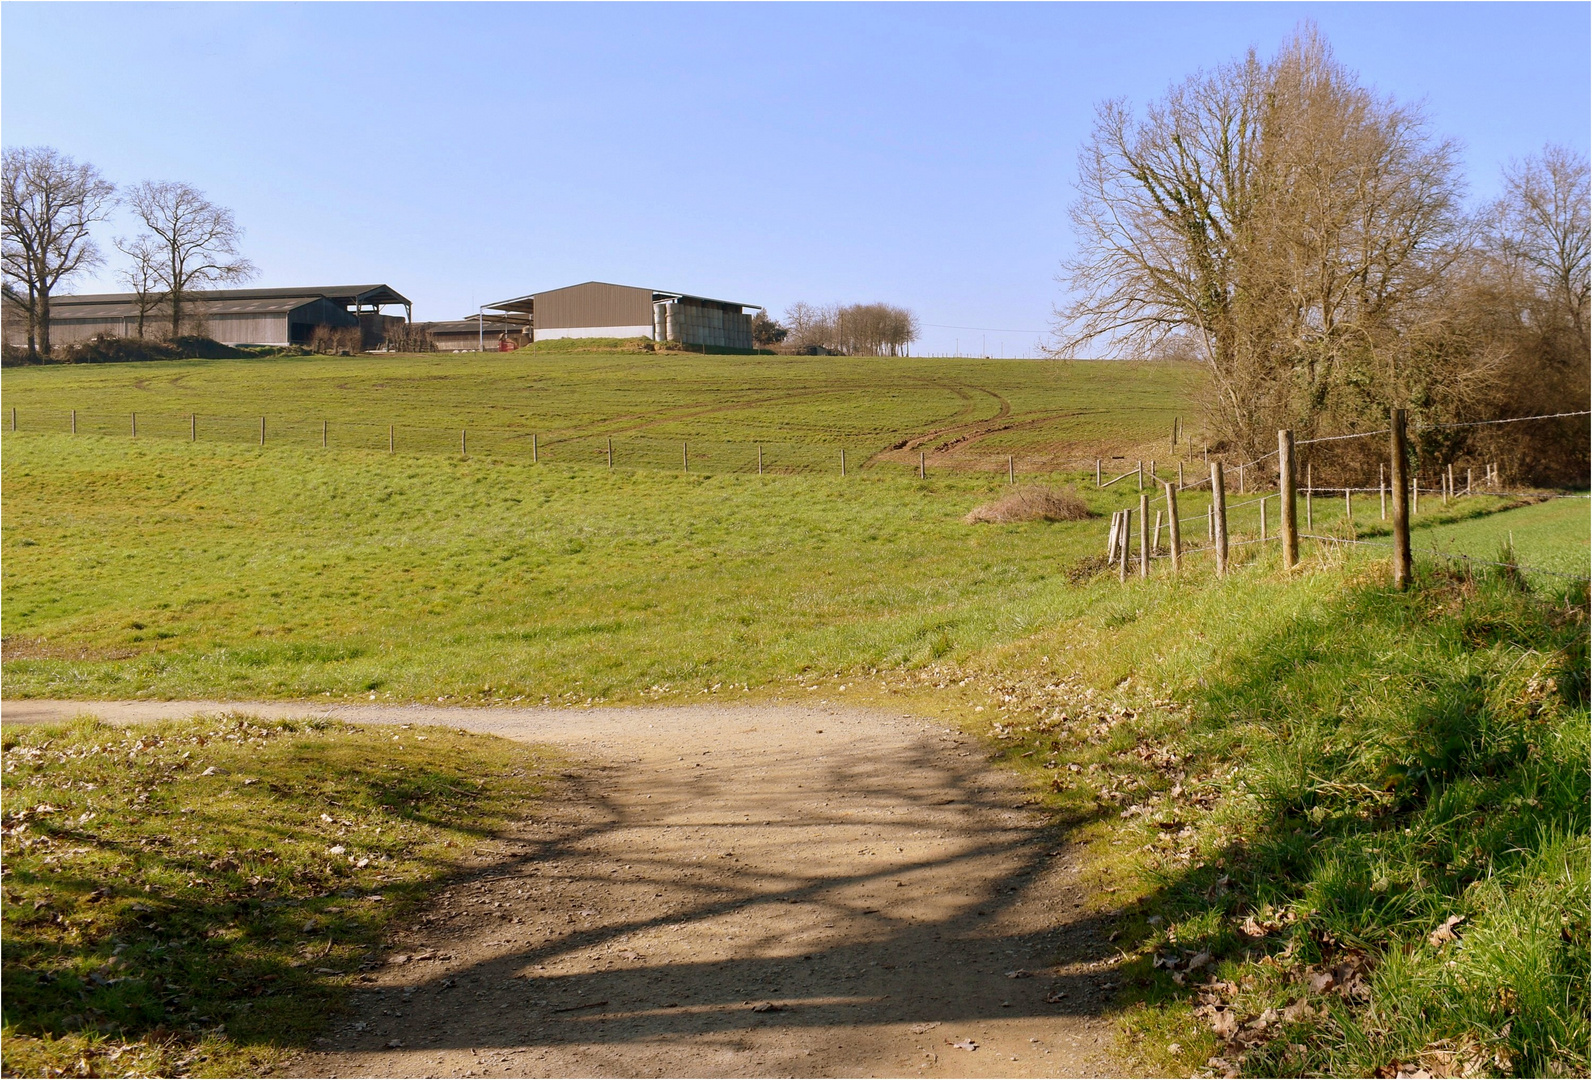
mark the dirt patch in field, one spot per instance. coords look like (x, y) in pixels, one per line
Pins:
(1034, 503)
(735, 891)
(25, 648)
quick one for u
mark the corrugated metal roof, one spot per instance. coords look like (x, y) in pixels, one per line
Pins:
(337, 294)
(129, 310)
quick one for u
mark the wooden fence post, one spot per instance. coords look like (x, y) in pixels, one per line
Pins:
(1180, 476)
(1381, 486)
(262, 431)
(1144, 535)
(1140, 467)
(1401, 505)
(1155, 541)
(324, 425)
(1287, 506)
(759, 459)
(1111, 536)
(1127, 528)
(391, 440)
(1415, 492)
(74, 421)
(193, 429)
(610, 453)
(1097, 472)
(1263, 499)
(464, 442)
(1219, 516)
(1348, 505)
(1210, 523)
(1174, 434)
(922, 465)
(685, 456)
(1468, 478)
(535, 456)
(1175, 536)
(135, 425)
(1011, 470)
(842, 461)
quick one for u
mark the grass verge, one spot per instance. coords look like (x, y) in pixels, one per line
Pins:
(194, 897)
(1354, 821)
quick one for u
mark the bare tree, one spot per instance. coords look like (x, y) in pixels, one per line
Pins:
(852, 329)
(1290, 221)
(196, 240)
(142, 276)
(1541, 225)
(49, 202)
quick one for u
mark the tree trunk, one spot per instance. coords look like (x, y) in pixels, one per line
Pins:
(44, 323)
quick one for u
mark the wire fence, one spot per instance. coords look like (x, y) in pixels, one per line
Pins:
(1336, 501)
(622, 450)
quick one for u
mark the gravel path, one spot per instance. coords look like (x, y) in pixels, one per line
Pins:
(718, 890)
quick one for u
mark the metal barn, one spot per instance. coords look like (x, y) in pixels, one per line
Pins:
(231, 316)
(602, 309)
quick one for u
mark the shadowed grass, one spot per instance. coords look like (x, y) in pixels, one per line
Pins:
(191, 898)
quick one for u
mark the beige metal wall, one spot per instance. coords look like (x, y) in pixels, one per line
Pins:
(593, 306)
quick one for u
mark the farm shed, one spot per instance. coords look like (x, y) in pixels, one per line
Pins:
(231, 316)
(601, 309)
(478, 332)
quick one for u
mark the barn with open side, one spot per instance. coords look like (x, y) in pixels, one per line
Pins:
(288, 316)
(601, 309)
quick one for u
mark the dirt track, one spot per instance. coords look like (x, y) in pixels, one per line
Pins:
(733, 891)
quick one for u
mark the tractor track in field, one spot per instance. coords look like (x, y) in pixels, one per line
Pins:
(731, 890)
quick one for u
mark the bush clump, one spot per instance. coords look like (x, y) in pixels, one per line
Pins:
(1032, 503)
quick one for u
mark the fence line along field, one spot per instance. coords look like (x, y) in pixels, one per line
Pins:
(222, 567)
(804, 410)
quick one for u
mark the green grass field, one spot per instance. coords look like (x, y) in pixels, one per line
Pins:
(803, 410)
(1304, 774)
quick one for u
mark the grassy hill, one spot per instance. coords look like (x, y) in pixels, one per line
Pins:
(804, 410)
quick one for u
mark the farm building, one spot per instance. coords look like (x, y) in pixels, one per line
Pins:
(599, 309)
(230, 316)
(493, 333)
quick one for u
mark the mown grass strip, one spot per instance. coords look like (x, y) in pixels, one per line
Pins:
(193, 897)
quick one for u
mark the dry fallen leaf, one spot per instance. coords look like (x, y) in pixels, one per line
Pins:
(1445, 932)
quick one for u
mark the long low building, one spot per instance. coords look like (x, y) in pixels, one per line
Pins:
(602, 309)
(501, 332)
(231, 316)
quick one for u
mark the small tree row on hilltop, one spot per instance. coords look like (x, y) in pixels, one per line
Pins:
(848, 329)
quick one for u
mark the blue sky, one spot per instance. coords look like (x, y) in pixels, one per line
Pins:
(916, 154)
